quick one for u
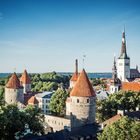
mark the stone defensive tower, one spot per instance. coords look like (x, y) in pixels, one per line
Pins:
(80, 106)
(14, 91)
(25, 82)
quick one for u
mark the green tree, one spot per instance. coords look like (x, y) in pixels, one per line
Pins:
(122, 100)
(123, 129)
(13, 120)
(1, 95)
(57, 102)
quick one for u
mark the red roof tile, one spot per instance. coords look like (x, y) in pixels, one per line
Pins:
(112, 120)
(74, 77)
(83, 87)
(25, 78)
(14, 82)
(33, 100)
(133, 86)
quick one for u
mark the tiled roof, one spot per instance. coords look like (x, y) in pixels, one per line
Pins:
(25, 78)
(14, 82)
(83, 87)
(134, 72)
(32, 100)
(112, 120)
(74, 77)
(133, 86)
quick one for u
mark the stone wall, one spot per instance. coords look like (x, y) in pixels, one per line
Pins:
(13, 96)
(58, 123)
(81, 110)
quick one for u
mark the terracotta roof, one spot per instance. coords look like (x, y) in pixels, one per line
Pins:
(83, 87)
(74, 77)
(112, 120)
(25, 78)
(133, 86)
(33, 100)
(14, 82)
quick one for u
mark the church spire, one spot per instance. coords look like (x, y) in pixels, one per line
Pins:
(123, 48)
(114, 69)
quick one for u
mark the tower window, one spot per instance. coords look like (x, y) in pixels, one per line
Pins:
(87, 100)
(77, 100)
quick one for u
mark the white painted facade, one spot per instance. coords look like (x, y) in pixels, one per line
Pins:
(113, 89)
(72, 84)
(44, 100)
(123, 69)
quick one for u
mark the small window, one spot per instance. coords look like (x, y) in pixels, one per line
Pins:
(87, 100)
(77, 100)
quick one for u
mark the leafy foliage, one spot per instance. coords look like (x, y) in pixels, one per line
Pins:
(123, 129)
(13, 120)
(48, 81)
(57, 102)
(122, 100)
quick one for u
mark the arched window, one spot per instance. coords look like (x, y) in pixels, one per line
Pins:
(77, 100)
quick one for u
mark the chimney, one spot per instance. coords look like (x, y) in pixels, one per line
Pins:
(76, 66)
(121, 112)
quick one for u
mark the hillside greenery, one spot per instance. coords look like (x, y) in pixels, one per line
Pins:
(48, 81)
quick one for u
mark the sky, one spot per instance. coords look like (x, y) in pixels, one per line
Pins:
(48, 35)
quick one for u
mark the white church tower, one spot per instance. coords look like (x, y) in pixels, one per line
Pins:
(123, 64)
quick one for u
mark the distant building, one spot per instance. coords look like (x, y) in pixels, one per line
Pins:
(123, 65)
(74, 76)
(33, 101)
(123, 77)
(115, 82)
(14, 91)
(25, 82)
(43, 101)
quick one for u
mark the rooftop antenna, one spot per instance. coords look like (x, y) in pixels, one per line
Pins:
(84, 56)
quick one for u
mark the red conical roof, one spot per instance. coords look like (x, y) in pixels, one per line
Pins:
(83, 87)
(74, 77)
(33, 100)
(13, 82)
(25, 78)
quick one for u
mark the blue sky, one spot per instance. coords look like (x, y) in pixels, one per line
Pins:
(48, 35)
